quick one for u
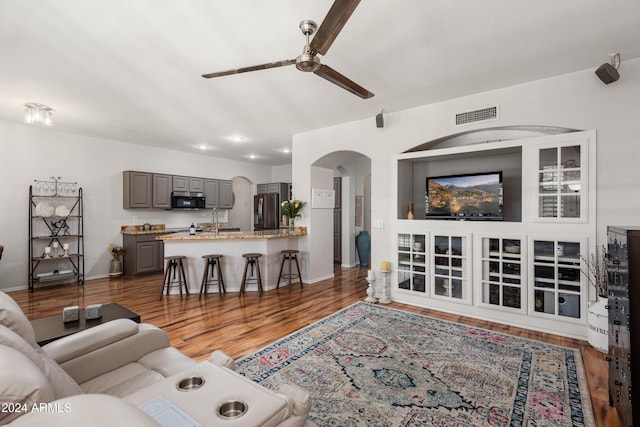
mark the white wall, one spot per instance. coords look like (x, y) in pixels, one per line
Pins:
(577, 100)
(30, 153)
(280, 173)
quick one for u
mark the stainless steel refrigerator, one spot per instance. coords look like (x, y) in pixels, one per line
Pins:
(266, 212)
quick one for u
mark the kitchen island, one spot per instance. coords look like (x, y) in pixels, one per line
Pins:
(232, 245)
(143, 254)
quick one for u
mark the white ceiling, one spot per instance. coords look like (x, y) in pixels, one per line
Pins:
(130, 70)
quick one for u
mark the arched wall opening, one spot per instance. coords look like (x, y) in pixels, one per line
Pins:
(352, 214)
(240, 215)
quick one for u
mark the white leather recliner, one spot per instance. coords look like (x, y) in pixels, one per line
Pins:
(81, 378)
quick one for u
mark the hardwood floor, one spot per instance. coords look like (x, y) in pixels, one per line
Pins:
(239, 326)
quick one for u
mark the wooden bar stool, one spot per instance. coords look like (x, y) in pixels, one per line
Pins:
(290, 255)
(251, 260)
(174, 265)
(212, 263)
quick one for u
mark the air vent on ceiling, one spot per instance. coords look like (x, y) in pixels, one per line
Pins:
(489, 113)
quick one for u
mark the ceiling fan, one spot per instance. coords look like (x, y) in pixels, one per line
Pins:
(308, 61)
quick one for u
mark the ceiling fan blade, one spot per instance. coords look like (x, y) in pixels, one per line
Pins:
(252, 68)
(336, 78)
(332, 25)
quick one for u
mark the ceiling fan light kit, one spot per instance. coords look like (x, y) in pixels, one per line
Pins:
(308, 61)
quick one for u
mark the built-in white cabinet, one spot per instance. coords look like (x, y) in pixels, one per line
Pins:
(412, 262)
(503, 280)
(558, 284)
(450, 256)
(525, 269)
(561, 181)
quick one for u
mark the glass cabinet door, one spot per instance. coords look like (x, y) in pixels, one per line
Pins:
(560, 183)
(450, 267)
(502, 273)
(557, 281)
(412, 266)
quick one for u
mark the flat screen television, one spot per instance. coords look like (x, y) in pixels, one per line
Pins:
(476, 196)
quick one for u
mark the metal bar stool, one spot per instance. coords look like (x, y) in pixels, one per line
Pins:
(251, 260)
(174, 265)
(212, 263)
(290, 255)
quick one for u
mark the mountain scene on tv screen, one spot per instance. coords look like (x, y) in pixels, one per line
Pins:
(457, 196)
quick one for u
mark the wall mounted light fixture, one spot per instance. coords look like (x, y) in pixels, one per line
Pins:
(608, 73)
(38, 114)
(379, 120)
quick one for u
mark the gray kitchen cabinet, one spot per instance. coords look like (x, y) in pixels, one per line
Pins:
(218, 193)
(188, 183)
(153, 190)
(143, 254)
(162, 185)
(136, 189)
(281, 188)
(225, 194)
(180, 183)
(273, 187)
(196, 185)
(211, 193)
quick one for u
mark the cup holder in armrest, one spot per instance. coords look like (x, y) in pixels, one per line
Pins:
(232, 409)
(190, 384)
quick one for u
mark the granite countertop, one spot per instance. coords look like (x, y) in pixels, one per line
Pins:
(162, 229)
(139, 229)
(211, 235)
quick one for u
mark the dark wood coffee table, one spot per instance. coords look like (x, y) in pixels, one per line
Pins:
(51, 328)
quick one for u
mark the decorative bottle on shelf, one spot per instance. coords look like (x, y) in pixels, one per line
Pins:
(410, 214)
(192, 229)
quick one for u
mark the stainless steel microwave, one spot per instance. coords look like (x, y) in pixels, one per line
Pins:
(187, 200)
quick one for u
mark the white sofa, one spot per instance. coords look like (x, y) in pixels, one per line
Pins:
(85, 378)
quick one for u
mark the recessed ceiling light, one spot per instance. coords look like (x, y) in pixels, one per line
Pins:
(286, 150)
(202, 147)
(237, 138)
(252, 156)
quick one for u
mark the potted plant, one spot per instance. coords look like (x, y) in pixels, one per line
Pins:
(115, 265)
(597, 316)
(291, 209)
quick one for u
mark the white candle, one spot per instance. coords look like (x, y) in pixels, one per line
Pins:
(371, 275)
(47, 250)
(55, 245)
(65, 246)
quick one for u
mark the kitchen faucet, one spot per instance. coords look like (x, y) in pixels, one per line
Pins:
(214, 219)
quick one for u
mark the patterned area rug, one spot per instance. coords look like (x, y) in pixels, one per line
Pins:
(369, 365)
